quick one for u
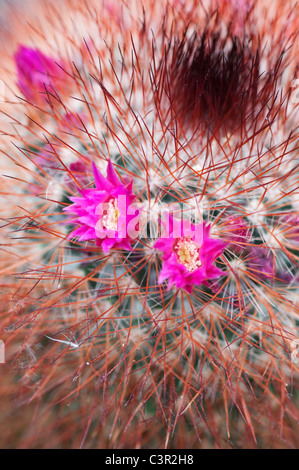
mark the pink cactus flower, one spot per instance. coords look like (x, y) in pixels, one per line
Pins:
(37, 73)
(188, 254)
(290, 227)
(236, 231)
(106, 213)
(261, 264)
(80, 170)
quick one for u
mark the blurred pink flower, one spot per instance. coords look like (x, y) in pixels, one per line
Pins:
(237, 232)
(261, 264)
(290, 227)
(37, 73)
(80, 171)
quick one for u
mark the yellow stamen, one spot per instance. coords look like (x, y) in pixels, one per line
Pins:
(109, 220)
(188, 254)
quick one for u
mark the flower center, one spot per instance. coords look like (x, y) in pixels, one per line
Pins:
(111, 215)
(188, 253)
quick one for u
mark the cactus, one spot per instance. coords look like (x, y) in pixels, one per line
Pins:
(150, 226)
